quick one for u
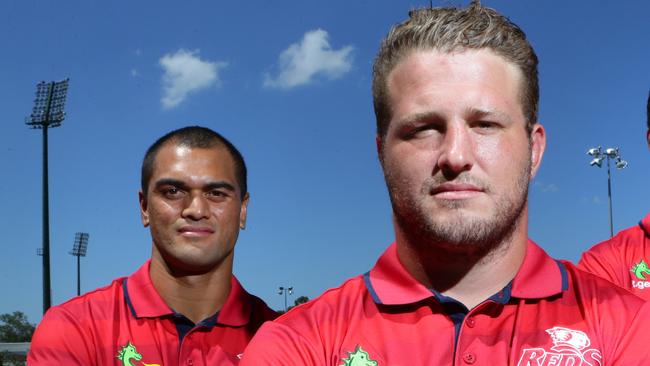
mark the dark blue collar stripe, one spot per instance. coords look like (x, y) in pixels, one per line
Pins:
(565, 275)
(503, 296)
(128, 299)
(371, 290)
(644, 228)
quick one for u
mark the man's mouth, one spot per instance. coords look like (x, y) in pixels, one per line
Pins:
(456, 191)
(195, 231)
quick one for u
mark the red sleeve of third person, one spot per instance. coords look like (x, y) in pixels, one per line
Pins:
(604, 262)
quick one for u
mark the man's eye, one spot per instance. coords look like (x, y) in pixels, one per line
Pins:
(484, 125)
(171, 192)
(423, 131)
(216, 194)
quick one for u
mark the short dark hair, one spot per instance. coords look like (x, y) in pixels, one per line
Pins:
(449, 29)
(193, 137)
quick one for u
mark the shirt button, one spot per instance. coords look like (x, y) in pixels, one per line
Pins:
(471, 322)
(190, 362)
(469, 358)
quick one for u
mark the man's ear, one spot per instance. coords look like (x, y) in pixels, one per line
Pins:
(144, 213)
(243, 211)
(537, 147)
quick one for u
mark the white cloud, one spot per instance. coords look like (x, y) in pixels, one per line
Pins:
(546, 188)
(138, 52)
(595, 200)
(185, 73)
(135, 73)
(301, 62)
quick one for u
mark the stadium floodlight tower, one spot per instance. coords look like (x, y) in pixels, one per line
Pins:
(598, 156)
(286, 291)
(47, 113)
(79, 250)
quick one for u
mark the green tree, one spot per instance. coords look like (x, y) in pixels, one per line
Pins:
(300, 300)
(15, 327)
(296, 302)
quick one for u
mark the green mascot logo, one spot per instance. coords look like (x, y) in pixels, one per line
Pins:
(640, 270)
(128, 353)
(358, 358)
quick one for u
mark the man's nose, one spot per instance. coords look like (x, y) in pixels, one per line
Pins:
(457, 149)
(197, 207)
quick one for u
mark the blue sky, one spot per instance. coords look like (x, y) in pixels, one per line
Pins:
(289, 83)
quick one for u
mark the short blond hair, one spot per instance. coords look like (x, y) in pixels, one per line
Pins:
(450, 29)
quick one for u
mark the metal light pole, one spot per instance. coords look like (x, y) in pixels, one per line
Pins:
(286, 291)
(609, 154)
(79, 250)
(47, 113)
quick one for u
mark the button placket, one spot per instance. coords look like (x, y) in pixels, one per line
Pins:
(470, 322)
(469, 358)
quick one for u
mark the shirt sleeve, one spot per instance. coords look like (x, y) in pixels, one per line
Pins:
(60, 339)
(604, 262)
(278, 345)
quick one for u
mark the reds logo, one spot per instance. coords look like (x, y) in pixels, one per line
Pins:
(570, 348)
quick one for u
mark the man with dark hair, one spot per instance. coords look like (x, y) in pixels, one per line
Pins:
(624, 259)
(455, 95)
(183, 306)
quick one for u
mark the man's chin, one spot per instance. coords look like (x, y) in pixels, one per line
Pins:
(474, 204)
(192, 260)
(191, 267)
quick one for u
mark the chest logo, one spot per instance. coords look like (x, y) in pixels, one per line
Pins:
(570, 347)
(640, 270)
(128, 354)
(358, 358)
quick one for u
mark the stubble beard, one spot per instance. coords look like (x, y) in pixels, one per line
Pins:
(459, 234)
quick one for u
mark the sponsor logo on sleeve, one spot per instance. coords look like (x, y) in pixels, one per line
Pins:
(570, 348)
(641, 272)
(358, 358)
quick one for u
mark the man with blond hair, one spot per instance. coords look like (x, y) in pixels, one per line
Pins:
(456, 99)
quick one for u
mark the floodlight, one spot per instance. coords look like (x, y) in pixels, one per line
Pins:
(595, 151)
(613, 154)
(79, 250)
(596, 161)
(286, 291)
(80, 245)
(47, 113)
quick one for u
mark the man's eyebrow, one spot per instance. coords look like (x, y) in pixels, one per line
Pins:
(169, 182)
(419, 117)
(219, 185)
(481, 113)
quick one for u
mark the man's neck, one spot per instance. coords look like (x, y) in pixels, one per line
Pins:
(196, 296)
(467, 278)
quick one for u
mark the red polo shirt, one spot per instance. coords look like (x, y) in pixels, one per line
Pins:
(550, 314)
(128, 323)
(624, 259)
